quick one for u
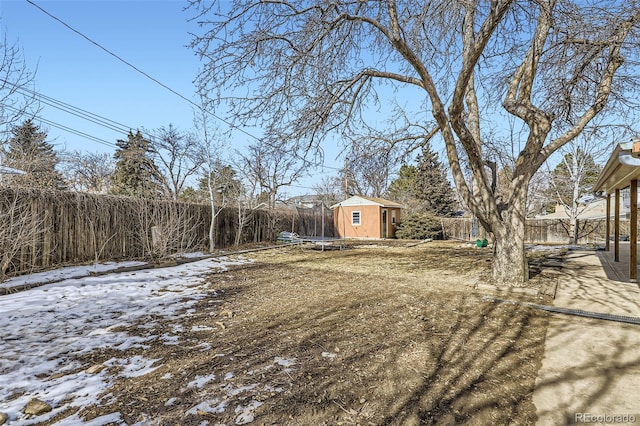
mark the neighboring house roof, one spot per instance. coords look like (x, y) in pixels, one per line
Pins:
(307, 201)
(304, 199)
(4, 170)
(594, 210)
(361, 200)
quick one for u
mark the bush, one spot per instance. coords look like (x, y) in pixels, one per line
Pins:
(419, 226)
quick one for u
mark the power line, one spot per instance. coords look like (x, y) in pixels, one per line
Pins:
(114, 55)
(68, 129)
(78, 112)
(199, 107)
(129, 64)
(77, 132)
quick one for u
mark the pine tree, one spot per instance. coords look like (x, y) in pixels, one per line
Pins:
(404, 184)
(135, 174)
(28, 150)
(432, 185)
(403, 190)
(225, 182)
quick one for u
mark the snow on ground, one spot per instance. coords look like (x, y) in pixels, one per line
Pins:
(45, 327)
(66, 273)
(557, 247)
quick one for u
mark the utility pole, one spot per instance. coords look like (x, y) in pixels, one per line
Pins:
(346, 178)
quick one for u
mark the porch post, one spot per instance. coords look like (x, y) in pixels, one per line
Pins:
(608, 223)
(616, 228)
(633, 232)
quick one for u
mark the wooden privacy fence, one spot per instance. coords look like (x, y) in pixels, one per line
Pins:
(552, 231)
(40, 229)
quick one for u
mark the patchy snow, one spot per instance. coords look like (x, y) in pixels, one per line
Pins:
(66, 273)
(245, 414)
(284, 362)
(133, 367)
(236, 391)
(107, 419)
(170, 340)
(205, 346)
(200, 381)
(329, 355)
(211, 406)
(556, 247)
(194, 255)
(201, 328)
(46, 327)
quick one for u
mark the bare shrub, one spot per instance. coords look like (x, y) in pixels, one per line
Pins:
(20, 230)
(167, 228)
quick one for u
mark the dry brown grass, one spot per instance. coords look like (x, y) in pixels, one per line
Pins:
(376, 335)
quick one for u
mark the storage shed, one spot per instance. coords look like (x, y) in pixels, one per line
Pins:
(366, 217)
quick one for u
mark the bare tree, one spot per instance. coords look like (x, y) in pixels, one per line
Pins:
(218, 184)
(247, 202)
(538, 200)
(166, 228)
(368, 171)
(17, 100)
(272, 167)
(178, 156)
(318, 68)
(573, 177)
(20, 227)
(329, 190)
(88, 171)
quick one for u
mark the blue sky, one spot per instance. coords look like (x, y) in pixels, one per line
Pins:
(149, 34)
(152, 35)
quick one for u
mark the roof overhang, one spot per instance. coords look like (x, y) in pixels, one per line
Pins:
(358, 200)
(620, 170)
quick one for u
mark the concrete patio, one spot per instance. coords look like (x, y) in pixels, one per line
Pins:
(591, 367)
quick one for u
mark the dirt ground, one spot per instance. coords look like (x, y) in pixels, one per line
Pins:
(369, 335)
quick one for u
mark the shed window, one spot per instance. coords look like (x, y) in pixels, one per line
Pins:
(355, 218)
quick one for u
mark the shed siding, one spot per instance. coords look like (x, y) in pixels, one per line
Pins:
(370, 222)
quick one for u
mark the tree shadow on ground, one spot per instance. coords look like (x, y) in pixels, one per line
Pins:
(592, 365)
(297, 342)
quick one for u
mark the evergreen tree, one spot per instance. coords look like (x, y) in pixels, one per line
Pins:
(405, 184)
(135, 174)
(226, 185)
(28, 150)
(403, 190)
(432, 185)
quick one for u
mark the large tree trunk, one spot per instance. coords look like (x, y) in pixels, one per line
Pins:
(510, 265)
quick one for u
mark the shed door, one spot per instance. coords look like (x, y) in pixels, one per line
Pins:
(385, 227)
